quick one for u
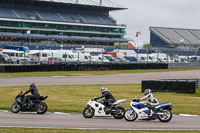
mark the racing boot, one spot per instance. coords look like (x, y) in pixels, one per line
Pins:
(107, 110)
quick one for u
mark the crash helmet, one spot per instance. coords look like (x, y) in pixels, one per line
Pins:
(103, 89)
(147, 91)
(32, 85)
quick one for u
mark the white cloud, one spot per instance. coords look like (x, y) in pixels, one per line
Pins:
(161, 13)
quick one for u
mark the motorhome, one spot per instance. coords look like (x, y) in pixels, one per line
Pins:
(162, 57)
(16, 56)
(64, 55)
(100, 59)
(194, 58)
(39, 56)
(83, 57)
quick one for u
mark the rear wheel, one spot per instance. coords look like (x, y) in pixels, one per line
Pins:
(119, 113)
(41, 108)
(167, 116)
(130, 115)
(16, 107)
(88, 112)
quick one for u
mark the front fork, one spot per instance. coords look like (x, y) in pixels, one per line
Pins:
(131, 109)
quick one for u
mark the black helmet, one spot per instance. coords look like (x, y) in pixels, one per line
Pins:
(32, 85)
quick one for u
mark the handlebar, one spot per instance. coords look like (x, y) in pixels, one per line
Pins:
(135, 100)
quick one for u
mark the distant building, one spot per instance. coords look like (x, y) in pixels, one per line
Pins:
(175, 38)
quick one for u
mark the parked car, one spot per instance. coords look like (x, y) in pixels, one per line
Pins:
(131, 58)
(54, 60)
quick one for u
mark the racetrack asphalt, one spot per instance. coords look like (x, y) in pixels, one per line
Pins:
(98, 79)
(77, 121)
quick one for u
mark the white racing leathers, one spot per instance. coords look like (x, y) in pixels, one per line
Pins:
(152, 100)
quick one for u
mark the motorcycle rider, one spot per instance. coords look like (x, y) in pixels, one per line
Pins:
(109, 99)
(152, 101)
(34, 94)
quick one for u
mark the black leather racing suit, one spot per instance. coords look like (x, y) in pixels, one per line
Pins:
(109, 99)
(34, 91)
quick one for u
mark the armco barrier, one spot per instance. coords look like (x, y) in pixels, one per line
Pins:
(81, 67)
(178, 86)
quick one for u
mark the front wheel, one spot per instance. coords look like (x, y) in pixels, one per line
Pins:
(88, 112)
(167, 116)
(119, 114)
(16, 107)
(130, 115)
(41, 108)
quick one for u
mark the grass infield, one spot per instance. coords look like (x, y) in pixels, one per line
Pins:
(73, 98)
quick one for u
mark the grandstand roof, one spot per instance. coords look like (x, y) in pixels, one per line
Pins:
(106, 6)
(177, 35)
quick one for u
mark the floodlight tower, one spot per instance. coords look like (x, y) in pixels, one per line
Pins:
(76, 1)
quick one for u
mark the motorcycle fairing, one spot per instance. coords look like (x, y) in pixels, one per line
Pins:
(139, 106)
(162, 105)
(98, 107)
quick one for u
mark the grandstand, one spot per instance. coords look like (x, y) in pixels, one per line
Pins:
(183, 39)
(55, 23)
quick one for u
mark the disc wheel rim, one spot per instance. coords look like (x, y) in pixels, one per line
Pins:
(130, 115)
(89, 112)
(16, 107)
(165, 116)
(41, 108)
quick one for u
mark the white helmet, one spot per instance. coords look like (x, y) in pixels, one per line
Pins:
(147, 91)
(103, 89)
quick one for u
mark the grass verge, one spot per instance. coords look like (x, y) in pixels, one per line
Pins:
(29, 130)
(86, 73)
(73, 98)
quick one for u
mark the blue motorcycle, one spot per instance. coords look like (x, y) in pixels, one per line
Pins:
(142, 111)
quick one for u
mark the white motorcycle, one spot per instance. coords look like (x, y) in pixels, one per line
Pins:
(142, 112)
(98, 109)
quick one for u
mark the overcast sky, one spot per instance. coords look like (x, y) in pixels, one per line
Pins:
(159, 13)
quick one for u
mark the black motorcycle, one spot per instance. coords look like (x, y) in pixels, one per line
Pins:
(30, 106)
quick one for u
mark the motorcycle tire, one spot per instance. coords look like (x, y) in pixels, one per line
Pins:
(166, 117)
(119, 113)
(130, 115)
(88, 112)
(16, 107)
(41, 108)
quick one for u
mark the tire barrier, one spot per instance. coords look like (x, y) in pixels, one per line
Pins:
(81, 67)
(178, 86)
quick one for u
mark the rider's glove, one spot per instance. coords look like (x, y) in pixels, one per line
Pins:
(95, 99)
(137, 100)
